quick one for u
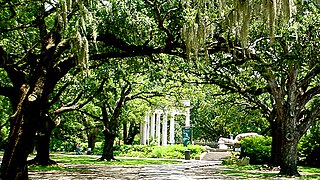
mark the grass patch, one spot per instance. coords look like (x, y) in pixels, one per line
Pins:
(51, 168)
(242, 174)
(244, 168)
(309, 169)
(255, 172)
(65, 159)
(94, 160)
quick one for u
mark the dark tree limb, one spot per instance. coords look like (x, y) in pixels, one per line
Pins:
(70, 106)
(57, 96)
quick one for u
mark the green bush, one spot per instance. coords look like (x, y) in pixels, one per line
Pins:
(231, 160)
(309, 147)
(170, 151)
(257, 148)
(149, 151)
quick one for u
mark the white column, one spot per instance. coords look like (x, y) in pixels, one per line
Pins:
(164, 130)
(172, 128)
(143, 131)
(187, 117)
(158, 124)
(187, 111)
(147, 119)
(152, 126)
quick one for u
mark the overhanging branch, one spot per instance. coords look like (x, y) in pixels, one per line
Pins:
(73, 106)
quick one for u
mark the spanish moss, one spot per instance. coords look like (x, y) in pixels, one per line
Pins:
(236, 17)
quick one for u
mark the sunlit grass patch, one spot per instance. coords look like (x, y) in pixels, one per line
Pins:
(93, 160)
(51, 168)
(257, 172)
(248, 174)
(309, 169)
(122, 161)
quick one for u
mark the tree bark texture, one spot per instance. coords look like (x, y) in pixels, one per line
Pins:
(133, 131)
(125, 132)
(92, 138)
(107, 153)
(45, 128)
(21, 136)
(285, 126)
(277, 141)
(284, 149)
(289, 158)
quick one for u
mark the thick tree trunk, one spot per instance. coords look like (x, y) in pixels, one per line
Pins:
(133, 131)
(92, 138)
(22, 133)
(43, 142)
(289, 156)
(125, 132)
(92, 133)
(107, 153)
(285, 138)
(284, 147)
(277, 141)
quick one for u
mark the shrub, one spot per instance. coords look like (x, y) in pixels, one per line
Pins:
(149, 151)
(98, 148)
(257, 148)
(170, 151)
(234, 159)
(231, 160)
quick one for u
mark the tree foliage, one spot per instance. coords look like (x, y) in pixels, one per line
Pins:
(261, 51)
(309, 147)
(215, 115)
(277, 76)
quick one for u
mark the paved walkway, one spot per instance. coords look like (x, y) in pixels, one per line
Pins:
(186, 171)
(192, 169)
(215, 156)
(207, 168)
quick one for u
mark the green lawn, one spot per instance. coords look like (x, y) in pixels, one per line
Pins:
(238, 172)
(122, 161)
(255, 172)
(71, 159)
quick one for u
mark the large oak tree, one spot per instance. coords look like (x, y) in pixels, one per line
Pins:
(40, 42)
(277, 73)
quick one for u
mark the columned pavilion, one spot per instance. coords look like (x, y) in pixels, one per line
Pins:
(156, 129)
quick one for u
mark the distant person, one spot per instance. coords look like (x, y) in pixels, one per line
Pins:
(78, 149)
